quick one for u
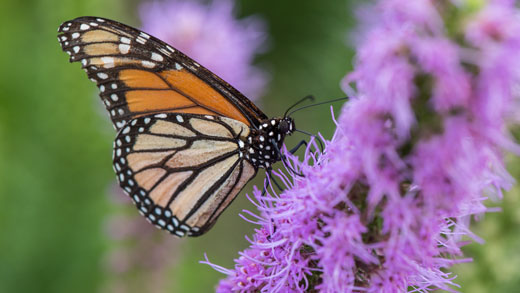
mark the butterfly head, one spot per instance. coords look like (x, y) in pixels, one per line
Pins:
(286, 126)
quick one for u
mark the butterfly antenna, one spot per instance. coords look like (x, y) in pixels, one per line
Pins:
(317, 104)
(309, 97)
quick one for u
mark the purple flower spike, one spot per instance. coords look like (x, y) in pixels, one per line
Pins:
(417, 152)
(211, 35)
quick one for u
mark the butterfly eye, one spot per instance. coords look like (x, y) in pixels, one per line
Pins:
(283, 126)
(286, 126)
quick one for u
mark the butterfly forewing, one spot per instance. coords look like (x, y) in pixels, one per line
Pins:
(182, 170)
(138, 74)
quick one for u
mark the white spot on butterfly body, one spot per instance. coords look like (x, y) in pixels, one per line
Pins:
(262, 138)
(94, 24)
(251, 150)
(84, 62)
(102, 75)
(127, 138)
(65, 29)
(148, 64)
(75, 35)
(107, 103)
(118, 142)
(118, 168)
(178, 66)
(167, 213)
(273, 122)
(141, 129)
(121, 111)
(170, 48)
(121, 177)
(125, 40)
(63, 38)
(114, 97)
(118, 124)
(100, 19)
(114, 86)
(118, 152)
(157, 57)
(124, 48)
(179, 118)
(126, 130)
(179, 233)
(147, 120)
(76, 49)
(240, 143)
(161, 222)
(84, 27)
(102, 88)
(169, 227)
(175, 222)
(144, 35)
(134, 122)
(161, 115)
(136, 198)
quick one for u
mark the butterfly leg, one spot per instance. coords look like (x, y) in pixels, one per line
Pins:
(270, 179)
(284, 160)
(297, 147)
(320, 142)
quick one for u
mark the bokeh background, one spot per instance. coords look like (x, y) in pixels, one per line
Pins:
(64, 225)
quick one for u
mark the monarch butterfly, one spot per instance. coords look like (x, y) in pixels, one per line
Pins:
(187, 141)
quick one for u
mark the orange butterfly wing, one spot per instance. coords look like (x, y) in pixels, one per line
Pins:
(138, 74)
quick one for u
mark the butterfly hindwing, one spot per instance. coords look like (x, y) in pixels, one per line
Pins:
(182, 170)
(138, 74)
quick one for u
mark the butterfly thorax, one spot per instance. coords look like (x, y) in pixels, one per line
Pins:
(262, 146)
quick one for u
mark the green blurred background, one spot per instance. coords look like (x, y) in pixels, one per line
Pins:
(56, 177)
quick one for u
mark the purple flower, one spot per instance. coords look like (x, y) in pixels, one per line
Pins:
(211, 35)
(416, 153)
